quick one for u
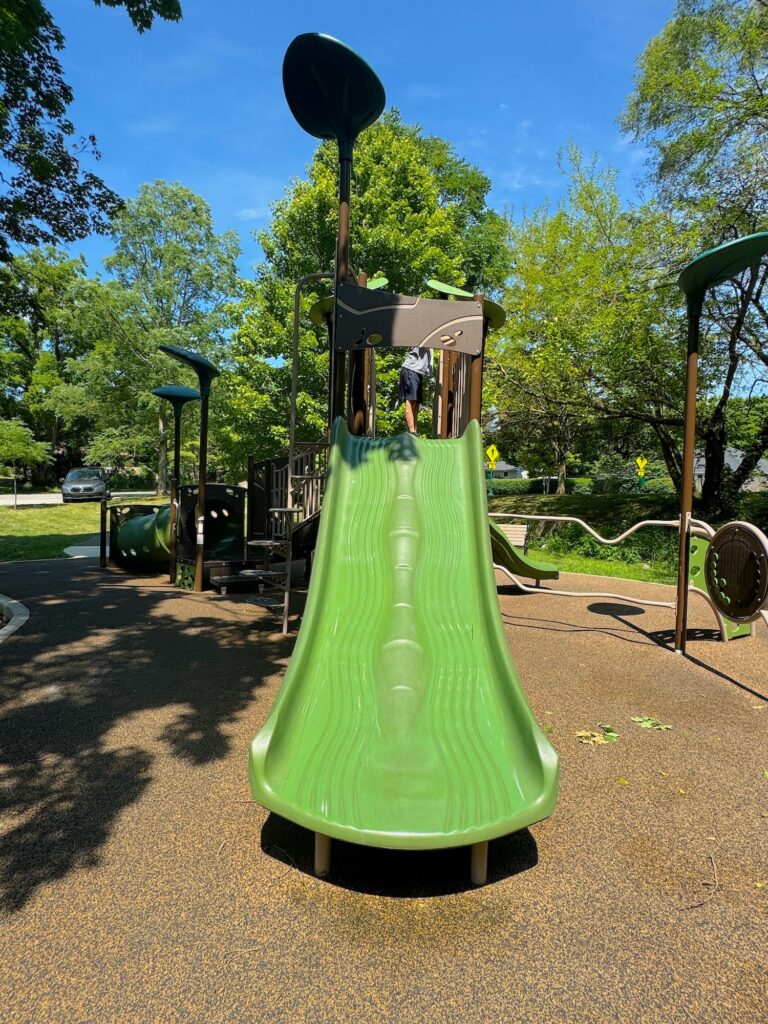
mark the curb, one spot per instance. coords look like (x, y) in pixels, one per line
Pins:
(14, 614)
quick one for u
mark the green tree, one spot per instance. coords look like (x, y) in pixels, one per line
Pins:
(418, 211)
(39, 342)
(18, 445)
(595, 327)
(174, 281)
(700, 104)
(47, 197)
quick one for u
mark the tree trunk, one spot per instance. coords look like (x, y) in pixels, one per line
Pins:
(714, 467)
(671, 454)
(162, 454)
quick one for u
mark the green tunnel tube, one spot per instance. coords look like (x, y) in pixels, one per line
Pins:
(143, 540)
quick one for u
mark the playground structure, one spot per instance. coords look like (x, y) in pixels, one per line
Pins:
(201, 534)
(728, 568)
(400, 722)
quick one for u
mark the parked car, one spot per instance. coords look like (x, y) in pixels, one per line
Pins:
(87, 483)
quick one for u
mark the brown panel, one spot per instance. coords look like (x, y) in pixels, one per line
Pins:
(369, 319)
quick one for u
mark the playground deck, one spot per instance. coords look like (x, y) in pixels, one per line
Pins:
(138, 881)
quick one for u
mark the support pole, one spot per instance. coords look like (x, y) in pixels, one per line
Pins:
(322, 854)
(342, 273)
(476, 376)
(200, 509)
(479, 870)
(686, 497)
(175, 490)
(357, 378)
(103, 534)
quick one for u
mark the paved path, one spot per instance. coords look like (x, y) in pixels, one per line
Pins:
(138, 882)
(55, 499)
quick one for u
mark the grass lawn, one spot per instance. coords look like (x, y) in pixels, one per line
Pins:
(43, 531)
(603, 567)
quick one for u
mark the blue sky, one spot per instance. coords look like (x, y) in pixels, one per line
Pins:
(201, 102)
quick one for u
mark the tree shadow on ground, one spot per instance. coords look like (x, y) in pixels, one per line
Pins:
(397, 873)
(99, 649)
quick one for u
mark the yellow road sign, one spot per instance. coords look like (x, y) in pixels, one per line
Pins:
(493, 453)
(641, 463)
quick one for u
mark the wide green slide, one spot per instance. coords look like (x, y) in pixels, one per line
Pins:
(401, 722)
(506, 554)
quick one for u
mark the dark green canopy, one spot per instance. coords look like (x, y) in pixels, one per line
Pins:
(177, 395)
(204, 368)
(720, 264)
(331, 91)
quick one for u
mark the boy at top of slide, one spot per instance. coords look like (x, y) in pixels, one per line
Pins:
(417, 365)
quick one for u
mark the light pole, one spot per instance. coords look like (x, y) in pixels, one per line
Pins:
(178, 396)
(206, 371)
(711, 268)
(334, 94)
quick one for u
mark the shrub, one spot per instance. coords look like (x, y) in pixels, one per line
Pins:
(535, 485)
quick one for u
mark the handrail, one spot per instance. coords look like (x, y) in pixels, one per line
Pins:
(586, 526)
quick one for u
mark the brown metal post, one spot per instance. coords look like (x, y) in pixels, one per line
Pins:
(686, 496)
(249, 501)
(200, 509)
(175, 492)
(357, 378)
(476, 376)
(342, 273)
(103, 534)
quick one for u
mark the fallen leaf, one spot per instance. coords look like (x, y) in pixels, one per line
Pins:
(765, 773)
(591, 738)
(681, 792)
(548, 730)
(760, 885)
(623, 782)
(664, 775)
(647, 722)
(610, 734)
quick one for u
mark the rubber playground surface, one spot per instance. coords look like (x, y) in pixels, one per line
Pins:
(139, 882)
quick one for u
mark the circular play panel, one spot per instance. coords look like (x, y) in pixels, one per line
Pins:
(737, 571)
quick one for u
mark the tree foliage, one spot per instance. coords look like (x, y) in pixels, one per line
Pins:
(701, 103)
(18, 444)
(45, 194)
(174, 280)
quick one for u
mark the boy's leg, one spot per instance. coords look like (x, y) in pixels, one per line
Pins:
(411, 414)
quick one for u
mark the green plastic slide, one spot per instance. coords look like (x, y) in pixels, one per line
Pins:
(504, 553)
(401, 722)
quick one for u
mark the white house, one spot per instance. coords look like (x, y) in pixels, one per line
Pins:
(733, 457)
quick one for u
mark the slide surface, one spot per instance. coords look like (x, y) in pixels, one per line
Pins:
(512, 558)
(401, 722)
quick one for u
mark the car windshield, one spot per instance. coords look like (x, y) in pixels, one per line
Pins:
(83, 474)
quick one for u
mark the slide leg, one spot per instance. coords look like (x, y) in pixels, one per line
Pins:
(322, 854)
(479, 871)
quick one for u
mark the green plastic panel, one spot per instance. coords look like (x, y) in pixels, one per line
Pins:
(492, 311)
(401, 722)
(698, 547)
(512, 558)
(720, 264)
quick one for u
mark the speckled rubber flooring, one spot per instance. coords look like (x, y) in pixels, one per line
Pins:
(139, 883)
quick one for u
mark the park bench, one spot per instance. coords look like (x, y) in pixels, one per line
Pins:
(517, 535)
